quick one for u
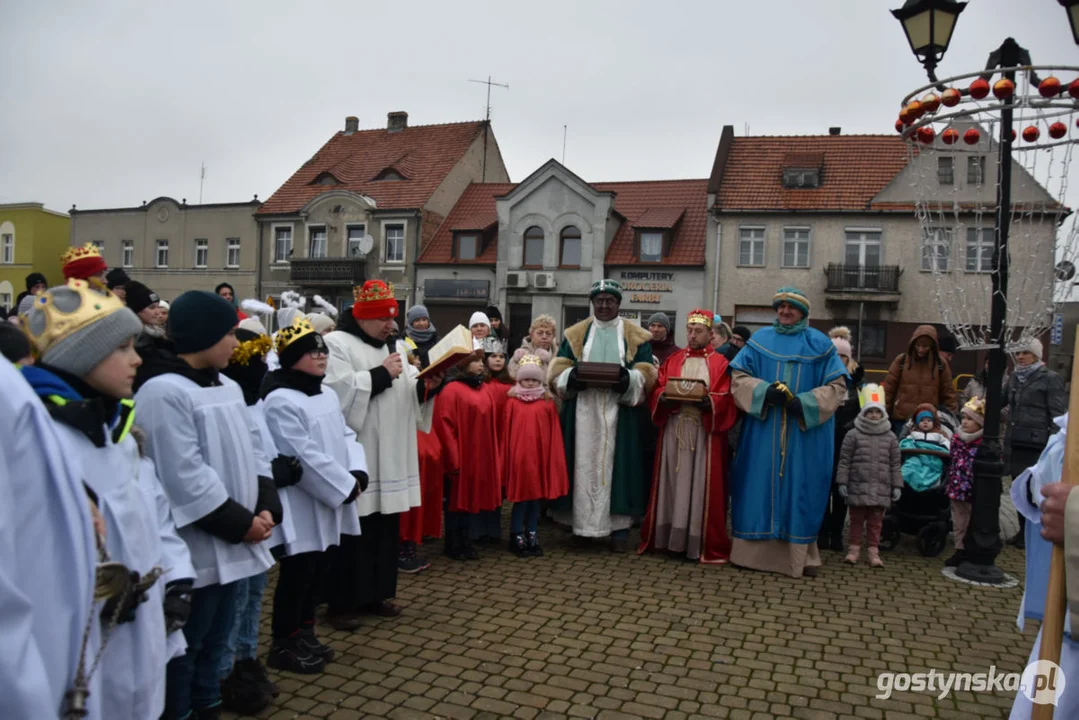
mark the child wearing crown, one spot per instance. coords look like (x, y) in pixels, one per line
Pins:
(869, 476)
(960, 487)
(86, 339)
(535, 458)
(487, 525)
(306, 422)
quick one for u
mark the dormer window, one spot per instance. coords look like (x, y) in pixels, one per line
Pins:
(326, 178)
(468, 245)
(795, 178)
(652, 244)
(389, 175)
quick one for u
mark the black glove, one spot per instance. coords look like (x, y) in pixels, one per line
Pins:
(177, 605)
(131, 601)
(794, 408)
(286, 471)
(354, 494)
(774, 396)
(361, 478)
(573, 383)
(705, 403)
(623, 381)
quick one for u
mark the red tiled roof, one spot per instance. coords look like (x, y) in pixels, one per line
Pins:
(854, 169)
(803, 160)
(667, 200)
(423, 154)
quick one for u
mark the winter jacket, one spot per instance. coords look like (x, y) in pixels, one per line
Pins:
(911, 381)
(923, 468)
(869, 464)
(961, 470)
(1033, 403)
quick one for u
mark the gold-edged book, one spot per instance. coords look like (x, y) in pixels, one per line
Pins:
(687, 390)
(449, 352)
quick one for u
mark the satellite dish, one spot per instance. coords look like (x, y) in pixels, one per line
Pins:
(367, 242)
(1065, 270)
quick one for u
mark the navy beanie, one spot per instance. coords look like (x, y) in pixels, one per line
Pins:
(198, 320)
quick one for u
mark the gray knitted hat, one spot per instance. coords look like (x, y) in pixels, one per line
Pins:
(662, 319)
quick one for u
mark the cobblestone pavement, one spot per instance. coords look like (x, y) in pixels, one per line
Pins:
(588, 634)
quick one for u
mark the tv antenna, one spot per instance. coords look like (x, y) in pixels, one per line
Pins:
(564, 130)
(202, 181)
(487, 121)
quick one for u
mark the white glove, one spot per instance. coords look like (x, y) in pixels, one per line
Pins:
(843, 491)
(896, 492)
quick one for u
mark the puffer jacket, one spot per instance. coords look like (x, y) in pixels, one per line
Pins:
(869, 465)
(911, 381)
(1033, 403)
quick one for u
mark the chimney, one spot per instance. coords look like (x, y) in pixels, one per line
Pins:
(352, 124)
(834, 130)
(396, 121)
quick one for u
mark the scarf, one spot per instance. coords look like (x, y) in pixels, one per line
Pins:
(473, 381)
(873, 427)
(306, 383)
(1022, 374)
(529, 394)
(420, 336)
(155, 331)
(790, 329)
(968, 438)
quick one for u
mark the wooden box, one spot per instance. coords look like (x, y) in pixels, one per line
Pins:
(689, 390)
(597, 374)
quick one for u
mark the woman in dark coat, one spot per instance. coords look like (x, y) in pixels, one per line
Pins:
(835, 513)
(1034, 396)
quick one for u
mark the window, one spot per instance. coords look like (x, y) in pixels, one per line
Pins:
(980, 250)
(202, 252)
(533, 247)
(355, 238)
(751, 246)
(5, 300)
(976, 169)
(395, 243)
(162, 253)
(232, 256)
(863, 248)
(99, 244)
(468, 246)
(7, 247)
(651, 247)
(282, 247)
(867, 340)
(316, 242)
(128, 259)
(794, 178)
(571, 247)
(796, 247)
(937, 249)
(946, 170)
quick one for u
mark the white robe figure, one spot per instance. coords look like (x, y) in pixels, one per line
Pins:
(47, 560)
(207, 450)
(283, 532)
(1048, 469)
(313, 430)
(133, 664)
(386, 425)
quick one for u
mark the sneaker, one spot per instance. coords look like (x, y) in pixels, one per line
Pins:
(532, 543)
(517, 545)
(245, 690)
(290, 656)
(874, 558)
(412, 564)
(853, 554)
(307, 640)
(956, 559)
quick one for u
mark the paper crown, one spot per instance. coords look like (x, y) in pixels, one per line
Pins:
(374, 299)
(493, 346)
(975, 405)
(700, 317)
(300, 327)
(63, 310)
(248, 349)
(871, 394)
(530, 360)
(82, 262)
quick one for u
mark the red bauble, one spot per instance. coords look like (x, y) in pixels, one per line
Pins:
(1003, 88)
(905, 116)
(1031, 133)
(1058, 130)
(1013, 135)
(916, 110)
(951, 97)
(950, 136)
(926, 134)
(979, 88)
(1049, 87)
(899, 126)
(930, 103)
(1073, 89)
(972, 136)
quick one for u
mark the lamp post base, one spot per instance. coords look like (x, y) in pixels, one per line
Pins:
(987, 574)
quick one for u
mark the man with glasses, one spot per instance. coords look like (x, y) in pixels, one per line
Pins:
(602, 422)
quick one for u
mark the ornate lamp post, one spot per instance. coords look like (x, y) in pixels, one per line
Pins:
(928, 25)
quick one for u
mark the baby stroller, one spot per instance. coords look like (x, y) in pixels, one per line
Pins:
(926, 514)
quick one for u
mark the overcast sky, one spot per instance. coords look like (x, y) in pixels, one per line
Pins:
(106, 104)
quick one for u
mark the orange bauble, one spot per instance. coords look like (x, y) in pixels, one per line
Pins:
(905, 116)
(1031, 133)
(930, 103)
(951, 97)
(899, 126)
(1003, 89)
(979, 88)
(1049, 87)
(916, 110)
(1058, 130)
(972, 136)
(950, 136)
(1073, 89)
(926, 134)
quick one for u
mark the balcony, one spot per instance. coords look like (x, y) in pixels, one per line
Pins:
(863, 283)
(327, 272)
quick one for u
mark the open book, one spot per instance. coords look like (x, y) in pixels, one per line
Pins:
(452, 350)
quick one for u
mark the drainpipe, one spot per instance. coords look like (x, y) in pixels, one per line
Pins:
(715, 284)
(258, 259)
(861, 312)
(415, 257)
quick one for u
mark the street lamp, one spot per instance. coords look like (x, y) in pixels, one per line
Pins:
(928, 25)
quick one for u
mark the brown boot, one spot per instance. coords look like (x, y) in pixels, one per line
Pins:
(853, 553)
(874, 558)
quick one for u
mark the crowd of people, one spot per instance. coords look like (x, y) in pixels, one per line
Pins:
(183, 450)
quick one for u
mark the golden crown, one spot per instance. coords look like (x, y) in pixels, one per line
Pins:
(287, 335)
(698, 318)
(58, 312)
(374, 290)
(78, 253)
(530, 360)
(250, 348)
(976, 405)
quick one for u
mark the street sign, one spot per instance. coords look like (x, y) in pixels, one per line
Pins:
(1056, 335)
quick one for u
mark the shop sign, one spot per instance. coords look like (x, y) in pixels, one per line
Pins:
(456, 289)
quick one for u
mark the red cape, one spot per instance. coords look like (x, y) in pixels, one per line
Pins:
(467, 428)
(715, 543)
(535, 458)
(426, 520)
